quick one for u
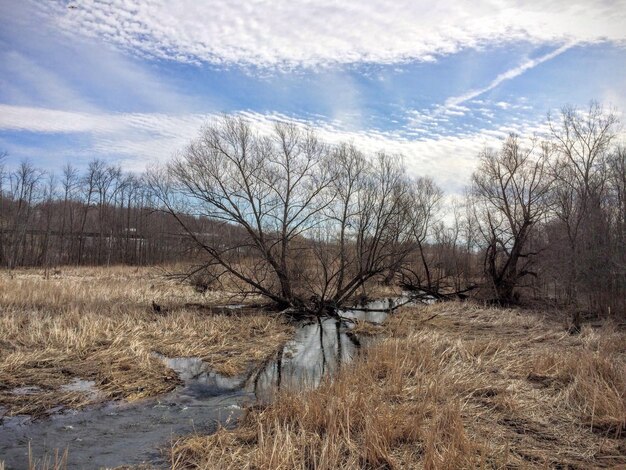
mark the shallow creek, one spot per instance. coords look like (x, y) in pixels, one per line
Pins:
(120, 433)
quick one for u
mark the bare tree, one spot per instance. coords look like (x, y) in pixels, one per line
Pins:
(88, 185)
(48, 198)
(70, 184)
(583, 141)
(614, 285)
(296, 203)
(369, 221)
(272, 187)
(426, 204)
(24, 190)
(510, 190)
(617, 183)
(349, 167)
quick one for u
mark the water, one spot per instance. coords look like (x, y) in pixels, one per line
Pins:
(318, 348)
(87, 387)
(120, 433)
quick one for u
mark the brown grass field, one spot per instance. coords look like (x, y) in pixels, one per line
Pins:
(446, 386)
(98, 324)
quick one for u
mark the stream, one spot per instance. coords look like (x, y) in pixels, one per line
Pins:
(118, 433)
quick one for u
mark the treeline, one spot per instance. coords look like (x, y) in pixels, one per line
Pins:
(309, 226)
(546, 216)
(97, 216)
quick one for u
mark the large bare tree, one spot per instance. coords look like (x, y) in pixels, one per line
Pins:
(273, 188)
(510, 189)
(315, 223)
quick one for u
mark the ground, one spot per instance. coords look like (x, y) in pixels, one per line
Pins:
(98, 324)
(446, 386)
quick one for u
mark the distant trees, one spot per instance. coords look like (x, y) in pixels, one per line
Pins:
(586, 234)
(23, 185)
(101, 216)
(554, 210)
(617, 202)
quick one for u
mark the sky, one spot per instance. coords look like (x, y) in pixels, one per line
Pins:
(133, 81)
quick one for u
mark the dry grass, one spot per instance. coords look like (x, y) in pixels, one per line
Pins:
(447, 386)
(366, 328)
(56, 461)
(98, 324)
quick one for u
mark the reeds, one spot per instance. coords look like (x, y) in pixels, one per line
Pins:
(445, 387)
(56, 461)
(98, 324)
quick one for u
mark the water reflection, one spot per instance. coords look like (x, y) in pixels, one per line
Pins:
(200, 381)
(130, 433)
(319, 348)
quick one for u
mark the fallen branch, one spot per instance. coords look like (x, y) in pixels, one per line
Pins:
(429, 318)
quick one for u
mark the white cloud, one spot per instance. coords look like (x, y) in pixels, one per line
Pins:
(140, 139)
(313, 32)
(38, 83)
(42, 120)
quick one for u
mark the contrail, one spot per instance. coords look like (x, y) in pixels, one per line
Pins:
(508, 75)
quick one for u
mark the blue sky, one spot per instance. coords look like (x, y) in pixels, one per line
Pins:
(133, 81)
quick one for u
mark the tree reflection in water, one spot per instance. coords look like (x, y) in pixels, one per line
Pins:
(319, 347)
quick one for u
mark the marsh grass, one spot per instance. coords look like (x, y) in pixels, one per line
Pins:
(445, 387)
(97, 324)
(366, 328)
(56, 461)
